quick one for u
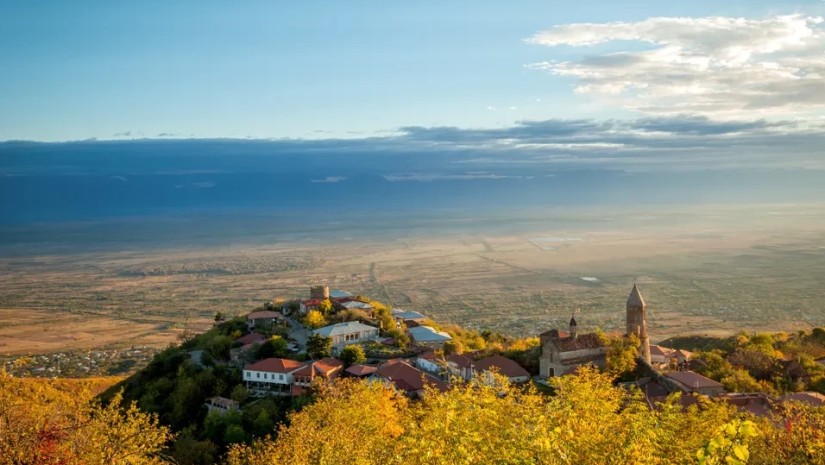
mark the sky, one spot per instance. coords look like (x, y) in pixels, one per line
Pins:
(584, 75)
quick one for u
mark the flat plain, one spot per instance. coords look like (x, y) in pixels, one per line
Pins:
(705, 272)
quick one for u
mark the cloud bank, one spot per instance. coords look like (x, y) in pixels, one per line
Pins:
(716, 66)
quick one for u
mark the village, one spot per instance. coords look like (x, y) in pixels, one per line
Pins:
(409, 354)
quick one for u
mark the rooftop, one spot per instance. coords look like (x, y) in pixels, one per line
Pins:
(338, 294)
(428, 334)
(460, 360)
(361, 370)
(264, 314)
(504, 365)
(692, 380)
(357, 304)
(813, 398)
(408, 314)
(348, 327)
(250, 338)
(408, 378)
(323, 367)
(581, 342)
(275, 365)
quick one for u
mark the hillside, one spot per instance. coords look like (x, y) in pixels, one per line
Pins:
(587, 417)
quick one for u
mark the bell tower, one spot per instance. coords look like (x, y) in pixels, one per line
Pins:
(637, 321)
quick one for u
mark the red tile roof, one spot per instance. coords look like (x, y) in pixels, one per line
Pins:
(250, 338)
(324, 367)
(505, 366)
(408, 378)
(275, 365)
(460, 360)
(582, 341)
(312, 302)
(361, 370)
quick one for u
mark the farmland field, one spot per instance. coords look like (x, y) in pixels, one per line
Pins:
(697, 280)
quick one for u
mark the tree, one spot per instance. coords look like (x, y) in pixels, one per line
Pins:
(314, 319)
(352, 354)
(453, 347)
(319, 346)
(621, 355)
(239, 393)
(43, 423)
(276, 346)
(325, 307)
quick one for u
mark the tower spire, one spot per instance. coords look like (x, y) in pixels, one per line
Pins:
(637, 321)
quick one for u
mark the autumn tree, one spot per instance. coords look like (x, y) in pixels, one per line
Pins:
(319, 346)
(41, 424)
(352, 354)
(314, 319)
(621, 355)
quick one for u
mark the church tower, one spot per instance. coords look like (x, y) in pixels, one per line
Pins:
(637, 321)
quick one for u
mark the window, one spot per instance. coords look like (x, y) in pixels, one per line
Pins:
(257, 375)
(281, 377)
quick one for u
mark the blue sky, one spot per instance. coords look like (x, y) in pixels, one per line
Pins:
(310, 70)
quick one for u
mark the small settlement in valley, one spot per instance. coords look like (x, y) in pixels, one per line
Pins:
(336, 334)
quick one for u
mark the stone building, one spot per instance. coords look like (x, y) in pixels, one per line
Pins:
(319, 292)
(562, 352)
(637, 321)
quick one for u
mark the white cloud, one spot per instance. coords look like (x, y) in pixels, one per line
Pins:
(330, 179)
(430, 177)
(716, 66)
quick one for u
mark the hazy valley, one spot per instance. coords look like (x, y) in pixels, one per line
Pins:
(702, 270)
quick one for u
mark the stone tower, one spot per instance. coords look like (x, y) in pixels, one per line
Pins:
(319, 292)
(573, 327)
(637, 321)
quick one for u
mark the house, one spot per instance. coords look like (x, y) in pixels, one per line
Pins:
(562, 352)
(361, 371)
(356, 305)
(504, 366)
(325, 369)
(403, 316)
(309, 304)
(350, 332)
(263, 318)
(428, 362)
(663, 356)
(428, 337)
(460, 366)
(660, 355)
(251, 338)
(222, 405)
(408, 379)
(271, 375)
(248, 343)
(340, 294)
(689, 381)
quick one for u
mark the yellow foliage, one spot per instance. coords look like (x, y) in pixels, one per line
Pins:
(57, 422)
(588, 422)
(315, 319)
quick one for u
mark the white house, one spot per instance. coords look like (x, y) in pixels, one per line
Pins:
(427, 361)
(271, 375)
(428, 336)
(350, 332)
